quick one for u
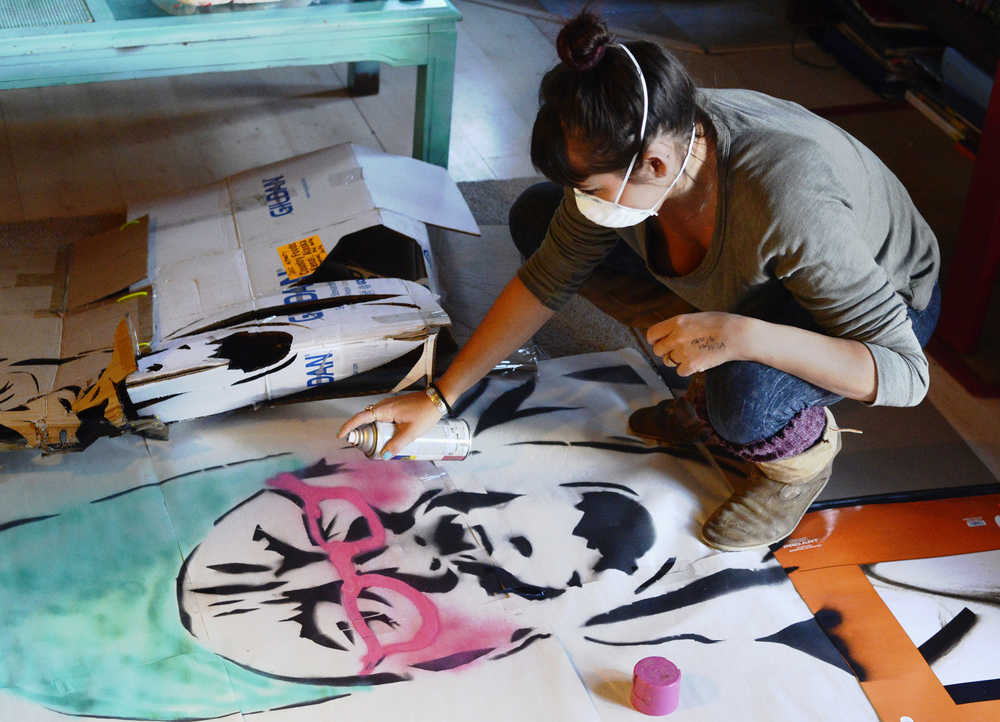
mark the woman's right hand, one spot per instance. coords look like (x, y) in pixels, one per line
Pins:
(412, 414)
(512, 319)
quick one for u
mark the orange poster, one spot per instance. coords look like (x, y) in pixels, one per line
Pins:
(910, 594)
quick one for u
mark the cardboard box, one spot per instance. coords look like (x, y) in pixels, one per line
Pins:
(262, 287)
(215, 249)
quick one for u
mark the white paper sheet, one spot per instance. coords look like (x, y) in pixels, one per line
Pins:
(573, 587)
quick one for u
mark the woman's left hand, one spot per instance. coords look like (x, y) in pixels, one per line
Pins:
(695, 342)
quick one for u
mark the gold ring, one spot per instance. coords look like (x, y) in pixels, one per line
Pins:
(371, 408)
(669, 360)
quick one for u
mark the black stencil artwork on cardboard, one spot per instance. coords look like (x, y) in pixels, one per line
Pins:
(248, 351)
(267, 372)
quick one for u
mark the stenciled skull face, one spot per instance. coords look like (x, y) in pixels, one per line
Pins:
(310, 581)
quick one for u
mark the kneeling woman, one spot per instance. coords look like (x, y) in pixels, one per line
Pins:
(812, 275)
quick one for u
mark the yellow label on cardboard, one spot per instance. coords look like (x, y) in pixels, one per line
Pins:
(302, 257)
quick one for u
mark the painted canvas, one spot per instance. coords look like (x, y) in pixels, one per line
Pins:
(251, 567)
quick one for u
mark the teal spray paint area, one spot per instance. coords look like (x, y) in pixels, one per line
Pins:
(94, 628)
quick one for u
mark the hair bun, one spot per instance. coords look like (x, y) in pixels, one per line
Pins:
(582, 41)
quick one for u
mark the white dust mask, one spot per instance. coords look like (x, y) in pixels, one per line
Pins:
(612, 214)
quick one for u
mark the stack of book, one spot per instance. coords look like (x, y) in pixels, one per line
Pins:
(878, 44)
(989, 8)
(949, 109)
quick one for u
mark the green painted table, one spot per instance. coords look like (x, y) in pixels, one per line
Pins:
(61, 42)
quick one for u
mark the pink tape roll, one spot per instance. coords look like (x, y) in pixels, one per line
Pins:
(656, 686)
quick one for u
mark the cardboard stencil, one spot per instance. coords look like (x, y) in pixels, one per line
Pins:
(331, 334)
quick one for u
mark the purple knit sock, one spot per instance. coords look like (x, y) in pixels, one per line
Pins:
(804, 430)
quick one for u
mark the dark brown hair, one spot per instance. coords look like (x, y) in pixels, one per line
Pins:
(595, 98)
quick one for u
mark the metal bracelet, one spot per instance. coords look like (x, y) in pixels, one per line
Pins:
(434, 394)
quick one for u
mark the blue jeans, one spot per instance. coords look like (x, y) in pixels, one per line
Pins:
(746, 401)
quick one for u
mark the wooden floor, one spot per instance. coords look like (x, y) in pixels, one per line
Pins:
(92, 149)
(87, 149)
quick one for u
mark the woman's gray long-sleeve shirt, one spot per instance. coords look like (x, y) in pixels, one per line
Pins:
(801, 204)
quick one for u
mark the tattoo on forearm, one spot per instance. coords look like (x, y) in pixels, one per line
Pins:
(708, 343)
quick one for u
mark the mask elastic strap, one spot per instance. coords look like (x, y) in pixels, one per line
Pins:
(687, 157)
(645, 111)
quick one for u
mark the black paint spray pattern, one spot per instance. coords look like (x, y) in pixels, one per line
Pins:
(497, 580)
(249, 351)
(725, 581)
(507, 407)
(452, 661)
(469, 397)
(660, 573)
(622, 374)
(466, 501)
(6, 389)
(620, 528)
(522, 545)
(807, 636)
(634, 447)
(690, 637)
(947, 638)
(829, 619)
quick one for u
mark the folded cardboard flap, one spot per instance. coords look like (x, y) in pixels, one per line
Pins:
(108, 263)
(56, 342)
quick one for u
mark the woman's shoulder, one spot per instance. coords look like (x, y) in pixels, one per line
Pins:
(741, 109)
(758, 127)
(779, 149)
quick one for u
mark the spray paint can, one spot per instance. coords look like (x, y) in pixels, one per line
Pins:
(448, 440)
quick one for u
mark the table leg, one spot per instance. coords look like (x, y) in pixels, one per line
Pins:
(363, 78)
(435, 88)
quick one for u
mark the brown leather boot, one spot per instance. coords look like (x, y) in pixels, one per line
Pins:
(670, 422)
(777, 496)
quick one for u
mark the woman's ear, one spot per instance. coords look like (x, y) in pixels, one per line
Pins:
(654, 167)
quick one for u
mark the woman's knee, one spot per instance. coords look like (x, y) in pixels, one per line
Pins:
(530, 215)
(746, 401)
(737, 403)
